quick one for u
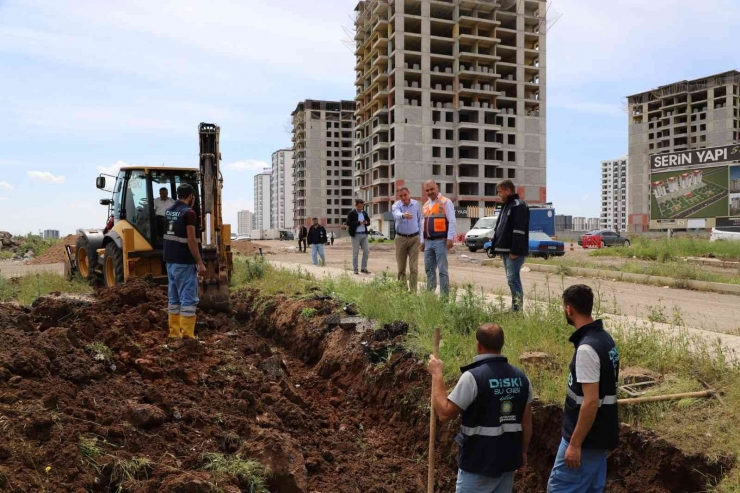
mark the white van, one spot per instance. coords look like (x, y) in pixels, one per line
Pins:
(482, 231)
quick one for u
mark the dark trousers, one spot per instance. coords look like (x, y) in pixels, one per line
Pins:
(301, 241)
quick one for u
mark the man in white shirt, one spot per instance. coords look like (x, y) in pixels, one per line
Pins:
(161, 204)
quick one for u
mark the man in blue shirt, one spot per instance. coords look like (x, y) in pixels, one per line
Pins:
(409, 221)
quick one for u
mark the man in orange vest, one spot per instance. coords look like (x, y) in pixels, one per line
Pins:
(439, 231)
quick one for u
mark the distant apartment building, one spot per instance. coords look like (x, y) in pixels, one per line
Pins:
(579, 224)
(262, 201)
(592, 223)
(245, 222)
(281, 189)
(322, 155)
(690, 114)
(614, 194)
(452, 91)
(51, 234)
(563, 222)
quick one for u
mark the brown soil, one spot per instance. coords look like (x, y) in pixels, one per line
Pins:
(56, 254)
(247, 248)
(321, 405)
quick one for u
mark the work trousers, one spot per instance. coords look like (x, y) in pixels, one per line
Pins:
(407, 249)
(513, 277)
(435, 258)
(475, 483)
(301, 244)
(318, 249)
(590, 477)
(182, 289)
(359, 240)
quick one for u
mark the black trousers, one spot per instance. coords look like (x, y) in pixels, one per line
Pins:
(301, 241)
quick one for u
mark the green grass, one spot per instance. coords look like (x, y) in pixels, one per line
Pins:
(251, 474)
(271, 281)
(677, 270)
(308, 313)
(664, 250)
(36, 244)
(6, 254)
(26, 289)
(100, 351)
(127, 471)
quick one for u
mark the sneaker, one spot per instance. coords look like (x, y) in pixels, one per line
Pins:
(365, 271)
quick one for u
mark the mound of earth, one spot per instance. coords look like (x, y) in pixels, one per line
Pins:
(247, 247)
(94, 398)
(56, 253)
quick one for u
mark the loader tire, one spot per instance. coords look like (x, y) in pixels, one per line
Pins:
(113, 268)
(86, 259)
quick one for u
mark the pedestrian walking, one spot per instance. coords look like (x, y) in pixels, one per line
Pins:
(302, 235)
(181, 253)
(357, 223)
(511, 239)
(590, 418)
(317, 239)
(331, 238)
(495, 400)
(439, 231)
(409, 223)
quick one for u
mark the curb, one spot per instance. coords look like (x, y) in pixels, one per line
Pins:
(716, 287)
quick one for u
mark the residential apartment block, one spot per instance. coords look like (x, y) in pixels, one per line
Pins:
(244, 222)
(677, 117)
(281, 189)
(614, 194)
(453, 91)
(262, 201)
(322, 153)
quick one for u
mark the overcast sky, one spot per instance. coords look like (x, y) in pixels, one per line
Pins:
(89, 85)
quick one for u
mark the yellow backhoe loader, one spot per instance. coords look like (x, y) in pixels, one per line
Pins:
(130, 245)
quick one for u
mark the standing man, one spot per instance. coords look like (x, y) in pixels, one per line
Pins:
(590, 418)
(511, 239)
(184, 264)
(357, 223)
(409, 221)
(331, 238)
(302, 234)
(439, 231)
(317, 240)
(495, 400)
(161, 204)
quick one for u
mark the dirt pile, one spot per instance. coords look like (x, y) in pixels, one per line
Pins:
(247, 248)
(56, 253)
(93, 398)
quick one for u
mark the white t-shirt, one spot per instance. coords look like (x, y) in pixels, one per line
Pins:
(588, 365)
(466, 390)
(361, 218)
(161, 206)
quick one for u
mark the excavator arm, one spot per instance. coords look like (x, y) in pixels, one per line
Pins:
(216, 236)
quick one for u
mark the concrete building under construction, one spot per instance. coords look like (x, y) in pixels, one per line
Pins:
(450, 90)
(322, 158)
(677, 117)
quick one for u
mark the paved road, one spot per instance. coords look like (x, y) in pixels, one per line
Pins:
(18, 269)
(706, 311)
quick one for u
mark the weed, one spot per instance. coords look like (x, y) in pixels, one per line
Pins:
(656, 314)
(125, 471)
(250, 473)
(308, 313)
(664, 250)
(100, 352)
(26, 289)
(249, 270)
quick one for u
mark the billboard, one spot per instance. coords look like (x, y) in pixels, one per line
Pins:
(689, 194)
(695, 158)
(734, 191)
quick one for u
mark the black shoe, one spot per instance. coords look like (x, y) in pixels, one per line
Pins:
(365, 271)
(357, 273)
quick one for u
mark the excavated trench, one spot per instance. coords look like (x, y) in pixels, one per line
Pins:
(93, 399)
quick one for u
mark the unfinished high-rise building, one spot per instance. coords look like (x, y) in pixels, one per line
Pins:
(453, 91)
(281, 189)
(677, 117)
(322, 155)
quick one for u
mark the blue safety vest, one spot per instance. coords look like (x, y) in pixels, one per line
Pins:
(175, 250)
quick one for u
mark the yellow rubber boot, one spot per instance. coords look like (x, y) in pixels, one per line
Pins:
(188, 326)
(174, 324)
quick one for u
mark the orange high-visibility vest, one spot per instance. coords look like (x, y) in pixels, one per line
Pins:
(436, 225)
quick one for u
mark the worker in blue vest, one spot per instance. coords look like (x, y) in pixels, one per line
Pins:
(590, 418)
(184, 263)
(495, 400)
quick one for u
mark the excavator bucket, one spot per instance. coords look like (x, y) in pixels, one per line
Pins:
(215, 297)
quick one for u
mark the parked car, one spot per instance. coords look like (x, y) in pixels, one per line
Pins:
(540, 245)
(482, 231)
(718, 234)
(243, 238)
(609, 238)
(376, 235)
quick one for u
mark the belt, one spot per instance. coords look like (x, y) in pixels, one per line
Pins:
(408, 236)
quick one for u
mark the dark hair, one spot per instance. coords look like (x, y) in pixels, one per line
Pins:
(490, 336)
(359, 201)
(507, 185)
(185, 190)
(314, 219)
(163, 188)
(580, 298)
(402, 189)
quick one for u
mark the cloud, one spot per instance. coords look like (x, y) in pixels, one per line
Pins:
(248, 165)
(112, 169)
(46, 176)
(4, 185)
(4, 198)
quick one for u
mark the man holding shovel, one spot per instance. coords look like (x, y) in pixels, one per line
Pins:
(495, 400)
